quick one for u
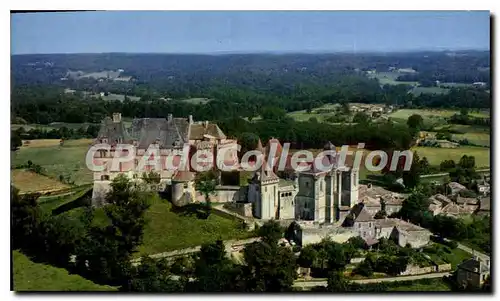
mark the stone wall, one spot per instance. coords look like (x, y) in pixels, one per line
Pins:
(243, 209)
(416, 270)
(226, 194)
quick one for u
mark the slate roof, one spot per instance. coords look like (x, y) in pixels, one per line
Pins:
(168, 132)
(363, 215)
(474, 265)
(115, 132)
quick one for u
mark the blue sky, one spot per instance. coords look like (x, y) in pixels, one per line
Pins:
(208, 32)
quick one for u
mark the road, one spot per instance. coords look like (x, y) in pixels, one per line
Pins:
(313, 283)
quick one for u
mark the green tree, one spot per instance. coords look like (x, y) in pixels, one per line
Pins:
(15, 141)
(411, 178)
(206, 183)
(215, 272)
(152, 275)
(361, 117)
(25, 218)
(307, 257)
(337, 282)
(271, 232)
(415, 123)
(126, 208)
(270, 267)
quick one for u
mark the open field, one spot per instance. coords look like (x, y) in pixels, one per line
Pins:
(30, 276)
(28, 181)
(436, 155)
(53, 125)
(462, 128)
(476, 138)
(389, 78)
(435, 117)
(66, 160)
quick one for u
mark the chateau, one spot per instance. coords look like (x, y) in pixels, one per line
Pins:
(314, 195)
(320, 202)
(169, 135)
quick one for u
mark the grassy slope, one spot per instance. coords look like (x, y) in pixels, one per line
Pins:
(68, 159)
(31, 276)
(168, 231)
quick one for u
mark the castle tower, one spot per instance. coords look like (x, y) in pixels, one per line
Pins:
(330, 182)
(264, 191)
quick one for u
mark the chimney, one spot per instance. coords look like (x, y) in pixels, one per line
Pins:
(190, 119)
(117, 117)
(170, 117)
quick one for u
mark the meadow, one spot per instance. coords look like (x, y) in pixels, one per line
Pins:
(31, 276)
(436, 155)
(389, 78)
(56, 160)
(28, 181)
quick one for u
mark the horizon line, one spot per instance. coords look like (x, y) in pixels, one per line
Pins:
(229, 52)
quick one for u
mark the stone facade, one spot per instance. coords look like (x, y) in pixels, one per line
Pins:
(472, 272)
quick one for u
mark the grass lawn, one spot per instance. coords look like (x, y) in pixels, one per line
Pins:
(476, 138)
(435, 285)
(66, 160)
(456, 257)
(28, 181)
(167, 231)
(436, 155)
(31, 276)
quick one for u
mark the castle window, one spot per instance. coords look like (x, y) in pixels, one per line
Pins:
(105, 178)
(266, 189)
(185, 185)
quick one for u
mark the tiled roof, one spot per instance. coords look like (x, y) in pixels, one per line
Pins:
(198, 130)
(363, 216)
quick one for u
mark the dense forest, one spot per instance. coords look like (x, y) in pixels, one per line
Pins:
(240, 86)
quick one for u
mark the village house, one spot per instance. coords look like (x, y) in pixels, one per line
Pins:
(455, 188)
(472, 273)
